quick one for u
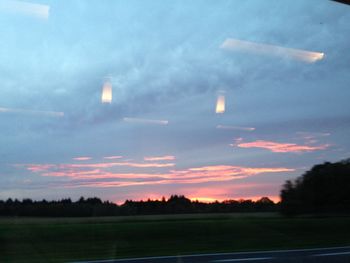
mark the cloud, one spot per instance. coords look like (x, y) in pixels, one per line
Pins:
(313, 134)
(99, 176)
(160, 158)
(37, 168)
(113, 157)
(103, 165)
(281, 147)
(82, 158)
(312, 137)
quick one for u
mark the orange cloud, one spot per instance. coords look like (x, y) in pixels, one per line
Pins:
(160, 158)
(281, 147)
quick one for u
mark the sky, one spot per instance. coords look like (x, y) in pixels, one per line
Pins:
(278, 70)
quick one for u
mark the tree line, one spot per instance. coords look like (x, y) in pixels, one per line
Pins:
(176, 204)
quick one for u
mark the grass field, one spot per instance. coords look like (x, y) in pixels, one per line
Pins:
(71, 239)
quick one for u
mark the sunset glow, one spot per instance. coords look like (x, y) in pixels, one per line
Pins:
(205, 199)
(275, 199)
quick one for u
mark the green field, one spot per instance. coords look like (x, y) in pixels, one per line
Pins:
(60, 240)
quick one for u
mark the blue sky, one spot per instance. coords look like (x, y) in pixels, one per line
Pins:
(165, 61)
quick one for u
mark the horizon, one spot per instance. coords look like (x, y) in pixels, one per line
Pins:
(201, 200)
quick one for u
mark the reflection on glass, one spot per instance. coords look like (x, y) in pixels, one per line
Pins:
(220, 104)
(266, 49)
(107, 92)
(32, 112)
(25, 8)
(146, 121)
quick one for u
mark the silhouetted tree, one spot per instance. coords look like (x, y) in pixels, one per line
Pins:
(323, 189)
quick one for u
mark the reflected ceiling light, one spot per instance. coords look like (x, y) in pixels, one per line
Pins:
(33, 112)
(107, 92)
(25, 8)
(220, 104)
(237, 128)
(267, 49)
(146, 121)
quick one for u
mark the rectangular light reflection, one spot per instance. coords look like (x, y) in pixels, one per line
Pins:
(32, 112)
(25, 8)
(107, 92)
(237, 128)
(220, 104)
(267, 49)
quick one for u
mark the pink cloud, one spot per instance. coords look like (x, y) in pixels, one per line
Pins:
(97, 175)
(160, 158)
(113, 157)
(281, 147)
(82, 158)
(115, 164)
(39, 168)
